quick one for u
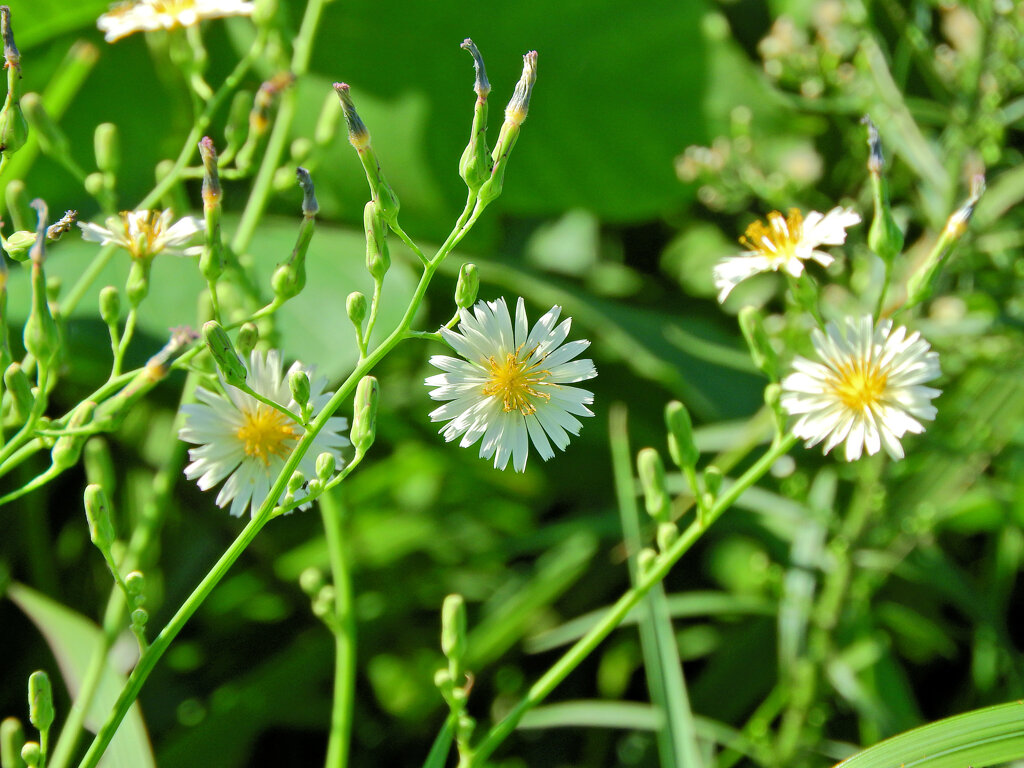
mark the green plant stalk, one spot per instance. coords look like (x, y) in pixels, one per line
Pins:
(24, 434)
(162, 642)
(261, 187)
(332, 512)
(677, 746)
(657, 571)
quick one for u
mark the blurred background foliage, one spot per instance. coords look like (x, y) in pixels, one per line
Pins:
(658, 130)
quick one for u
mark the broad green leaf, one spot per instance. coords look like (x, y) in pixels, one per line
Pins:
(980, 738)
(74, 640)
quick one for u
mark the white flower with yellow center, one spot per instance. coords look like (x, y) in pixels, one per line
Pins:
(144, 234)
(511, 388)
(247, 441)
(866, 390)
(148, 15)
(784, 244)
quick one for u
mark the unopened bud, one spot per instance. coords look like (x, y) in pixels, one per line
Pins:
(310, 207)
(475, 165)
(136, 287)
(666, 535)
(358, 135)
(355, 305)
(135, 582)
(223, 351)
(40, 701)
(110, 305)
(31, 754)
(885, 237)
(12, 57)
(364, 416)
(468, 286)
(378, 257)
(13, 126)
(712, 480)
(326, 463)
(760, 345)
(17, 383)
(19, 244)
(645, 558)
(97, 513)
(298, 382)
(311, 581)
(12, 739)
(106, 143)
(40, 332)
(515, 114)
(453, 628)
(681, 446)
(68, 448)
(380, 191)
(99, 464)
(295, 482)
(246, 340)
(652, 479)
(18, 207)
(211, 173)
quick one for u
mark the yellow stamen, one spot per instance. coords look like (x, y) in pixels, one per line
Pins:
(144, 242)
(778, 240)
(515, 382)
(858, 385)
(266, 432)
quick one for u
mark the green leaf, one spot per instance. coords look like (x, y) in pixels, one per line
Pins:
(980, 738)
(74, 640)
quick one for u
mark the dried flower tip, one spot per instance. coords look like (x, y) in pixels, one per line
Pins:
(59, 228)
(519, 105)
(12, 57)
(957, 223)
(876, 161)
(38, 249)
(358, 135)
(481, 87)
(310, 207)
(211, 175)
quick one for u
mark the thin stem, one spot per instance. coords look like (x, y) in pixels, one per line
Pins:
(657, 571)
(124, 341)
(344, 629)
(409, 242)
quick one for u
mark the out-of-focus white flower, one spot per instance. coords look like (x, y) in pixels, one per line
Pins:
(866, 390)
(144, 234)
(511, 388)
(147, 15)
(784, 243)
(247, 441)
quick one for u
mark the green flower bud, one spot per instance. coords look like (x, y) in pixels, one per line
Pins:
(298, 382)
(108, 148)
(136, 288)
(97, 512)
(300, 149)
(12, 739)
(713, 480)
(666, 535)
(95, 184)
(443, 682)
(40, 701)
(885, 237)
(110, 305)
(378, 258)
(760, 345)
(310, 207)
(19, 244)
(295, 483)
(68, 448)
(381, 192)
(453, 628)
(31, 753)
(364, 416)
(311, 581)
(135, 582)
(13, 126)
(323, 603)
(515, 114)
(99, 465)
(17, 383)
(355, 304)
(139, 618)
(645, 558)
(652, 479)
(467, 287)
(40, 333)
(326, 463)
(475, 165)
(290, 277)
(18, 207)
(264, 13)
(245, 343)
(681, 446)
(224, 355)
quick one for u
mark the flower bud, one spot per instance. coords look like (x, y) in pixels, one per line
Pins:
(364, 415)
(355, 305)
(12, 56)
(359, 137)
(885, 237)
(31, 754)
(40, 333)
(467, 287)
(515, 114)
(18, 207)
(652, 479)
(310, 207)
(97, 512)
(713, 480)
(17, 383)
(453, 628)
(298, 382)
(13, 128)
(19, 244)
(475, 165)
(68, 448)
(290, 277)
(135, 583)
(378, 257)
(760, 345)
(311, 581)
(666, 535)
(12, 739)
(223, 351)
(99, 464)
(106, 143)
(139, 618)
(110, 305)
(246, 340)
(681, 446)
(645, 558)
(325, 466)
(40, 701)
(295, 482)
(136, 287)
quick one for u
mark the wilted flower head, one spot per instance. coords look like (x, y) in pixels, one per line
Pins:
(148, 15)
(247, 441)
(144, 234)
(784, 243)
(511, 388)
(866, 390)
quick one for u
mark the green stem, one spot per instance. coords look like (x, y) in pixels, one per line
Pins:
(124, 341)
(657, 571)
(344, 630)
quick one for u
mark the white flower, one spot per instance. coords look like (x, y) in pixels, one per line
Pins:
(785, 243)
(240, 437)
(144, 234)
(866, 390)
(148, 15)
(510, 389)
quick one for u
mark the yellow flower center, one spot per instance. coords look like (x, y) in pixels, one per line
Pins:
(515, 383)
(776, 241)
(859, 386)
(173, 7)
(143, 238)
(266, 432)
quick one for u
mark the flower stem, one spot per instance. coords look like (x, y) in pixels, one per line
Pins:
(654, 574)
